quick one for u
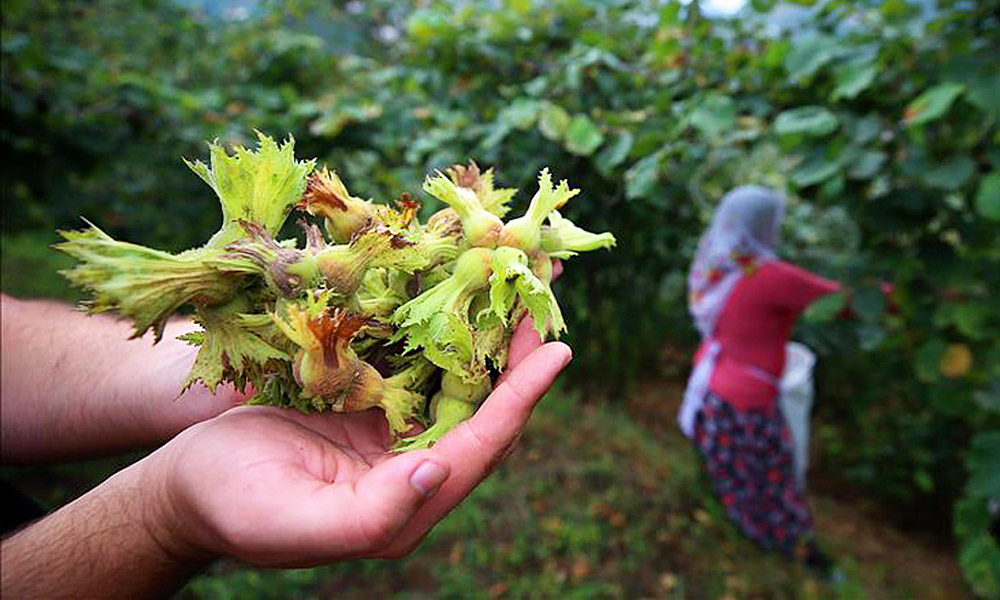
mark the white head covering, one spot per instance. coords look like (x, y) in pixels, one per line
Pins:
(740, 239)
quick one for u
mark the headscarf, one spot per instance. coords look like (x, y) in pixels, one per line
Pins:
(740, 239)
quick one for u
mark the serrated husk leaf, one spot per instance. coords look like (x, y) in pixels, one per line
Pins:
(562, 239)
(260, 185)
(144, 285)
(227, 351)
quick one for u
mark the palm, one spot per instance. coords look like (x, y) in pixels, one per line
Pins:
(278, 488)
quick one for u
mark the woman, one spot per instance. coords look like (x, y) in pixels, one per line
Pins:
(745, 301)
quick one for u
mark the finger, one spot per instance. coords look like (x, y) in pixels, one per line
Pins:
(365, 518)
(475, 446)
(524, 341)
(498, 421)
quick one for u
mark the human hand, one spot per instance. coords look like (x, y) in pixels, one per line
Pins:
(277, 488)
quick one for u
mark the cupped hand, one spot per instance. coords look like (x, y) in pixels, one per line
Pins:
(278, 488)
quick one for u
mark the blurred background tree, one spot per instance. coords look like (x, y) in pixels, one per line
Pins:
(878, 118)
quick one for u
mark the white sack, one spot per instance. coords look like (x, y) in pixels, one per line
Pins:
(796, 400)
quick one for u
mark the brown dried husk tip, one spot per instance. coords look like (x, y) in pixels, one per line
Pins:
(467, 176)
(332, 371)
(408, 207)
(324, 188)
(326, 368)
(327, 196)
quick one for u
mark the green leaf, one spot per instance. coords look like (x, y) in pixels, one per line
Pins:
(951, 174)
(145, 285)
(826, 308)
(808, 54)
(614, 153)
(815, 169)
(670, 14)
(970, 319)
(865, 129)
(932, 104)
(553, 122)
(979, 558)
(869, 302)
(971, 517)
(988, 197)
(641, 178)
(833, 187)
(511, 273)
(583, 137)
(867, 165)
(521, 113)
(447, 341)
(496, 134)
(775, 54)
(254, 185)
(806, 120)
(924, 480)
(853, 78)
(988, 398)
(984, 94)
(984, 465)
(928, 360)
(715, 114)
(870, 336)
(228, 352)
(894, 9)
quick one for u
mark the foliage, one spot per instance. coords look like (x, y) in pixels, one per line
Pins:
(977, 516)
(879, 118)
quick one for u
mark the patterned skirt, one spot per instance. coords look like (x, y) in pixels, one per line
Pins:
(748, 456)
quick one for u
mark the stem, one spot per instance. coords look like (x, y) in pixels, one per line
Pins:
(449, 413)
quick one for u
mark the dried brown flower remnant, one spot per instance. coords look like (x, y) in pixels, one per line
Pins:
(324, 188)
(408, 207)
(330, 372)
(467, 176)
(326, 196)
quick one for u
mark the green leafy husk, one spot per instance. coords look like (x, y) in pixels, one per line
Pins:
(145, 285)
(381, 310)
(257, 186)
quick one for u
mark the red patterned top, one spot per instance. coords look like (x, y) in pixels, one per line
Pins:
(754, 327)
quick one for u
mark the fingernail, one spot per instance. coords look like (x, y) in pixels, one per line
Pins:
(568, 356)
(427, 478)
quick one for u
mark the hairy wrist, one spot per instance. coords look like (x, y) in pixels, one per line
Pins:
(162, 514)
(118, 540)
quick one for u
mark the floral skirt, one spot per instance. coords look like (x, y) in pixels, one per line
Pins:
(748, 455)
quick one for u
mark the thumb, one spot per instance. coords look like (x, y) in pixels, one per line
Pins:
(391, 493)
